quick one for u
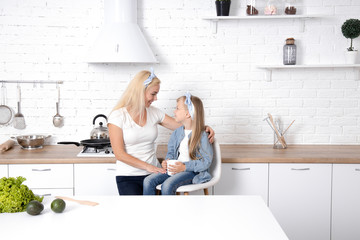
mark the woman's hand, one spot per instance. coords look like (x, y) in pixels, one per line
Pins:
(164, 164)
(177, 167)
(153, 169)
(211, 134)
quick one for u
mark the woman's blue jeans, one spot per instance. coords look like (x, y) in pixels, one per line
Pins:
(169, 183)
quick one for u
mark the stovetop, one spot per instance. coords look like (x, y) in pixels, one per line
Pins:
(96, 152)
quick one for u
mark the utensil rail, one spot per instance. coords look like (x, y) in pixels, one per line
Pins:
(31, 81)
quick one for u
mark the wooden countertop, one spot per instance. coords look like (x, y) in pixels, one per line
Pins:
(229, 154)
(49, 154)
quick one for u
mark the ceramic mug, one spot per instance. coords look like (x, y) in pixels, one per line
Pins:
(171, 163)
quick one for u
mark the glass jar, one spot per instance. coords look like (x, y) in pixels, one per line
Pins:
(277, 144)
(289, 52)
(290, 8)
(270, 8)
(250, 7)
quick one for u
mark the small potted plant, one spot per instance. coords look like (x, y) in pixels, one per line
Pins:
(222, 7)
(351, 29)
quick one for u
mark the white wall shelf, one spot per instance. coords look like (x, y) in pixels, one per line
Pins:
(270, 68)
(215, 19)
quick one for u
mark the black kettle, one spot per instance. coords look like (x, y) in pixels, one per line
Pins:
(99, 132)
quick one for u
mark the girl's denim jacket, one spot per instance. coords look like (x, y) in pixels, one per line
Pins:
(204, 155)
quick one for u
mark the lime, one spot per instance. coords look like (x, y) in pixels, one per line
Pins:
(58, 205)
(34, 207)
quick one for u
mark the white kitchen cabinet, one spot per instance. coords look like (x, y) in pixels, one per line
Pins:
(243, 179)
(300, 199)
(53, 191)
(51, 177)
(3, 170)
(346, 202)
(95, 179)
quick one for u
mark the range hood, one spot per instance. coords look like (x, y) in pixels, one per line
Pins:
(120, 39)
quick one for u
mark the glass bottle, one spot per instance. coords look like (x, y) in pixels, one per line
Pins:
(290, 8)
(250, 7)
(270, 8)
(289, 52)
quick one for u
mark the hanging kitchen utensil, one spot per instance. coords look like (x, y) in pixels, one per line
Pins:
(58, 120)
(19, 120)
(100, 131)
(6, 113)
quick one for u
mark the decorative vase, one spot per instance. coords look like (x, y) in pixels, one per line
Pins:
(351, 57)
(222, 8)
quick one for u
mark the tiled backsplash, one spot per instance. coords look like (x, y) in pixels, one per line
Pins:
(48, 39)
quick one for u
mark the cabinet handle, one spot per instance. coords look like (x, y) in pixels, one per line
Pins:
(46, 194)
(111, 169)
(240, 169)
(41, 170)
(300, 169)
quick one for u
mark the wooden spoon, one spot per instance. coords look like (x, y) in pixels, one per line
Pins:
(286, 129)
(83, 202)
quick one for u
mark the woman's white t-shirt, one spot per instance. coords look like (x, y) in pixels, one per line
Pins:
(139, 141)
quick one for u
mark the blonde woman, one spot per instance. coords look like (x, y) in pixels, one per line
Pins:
(189, 145)
(133, 130)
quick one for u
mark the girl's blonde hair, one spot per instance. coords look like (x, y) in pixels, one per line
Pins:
(134, 96)
(197, 126)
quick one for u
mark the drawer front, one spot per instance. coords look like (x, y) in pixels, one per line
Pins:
(243, 179)
(52, 192)
(346, 202)
(300, 199)
(3, 170)
(95, 179)
(44, 175)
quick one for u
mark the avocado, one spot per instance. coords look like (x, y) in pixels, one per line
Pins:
(34, 207)
(58, 205)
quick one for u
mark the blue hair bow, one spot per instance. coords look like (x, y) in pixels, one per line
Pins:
(189, 104)
(150, 78)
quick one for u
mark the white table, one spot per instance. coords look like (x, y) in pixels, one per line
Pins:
(149, 217)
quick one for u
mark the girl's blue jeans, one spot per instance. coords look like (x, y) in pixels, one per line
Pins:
(169, 183)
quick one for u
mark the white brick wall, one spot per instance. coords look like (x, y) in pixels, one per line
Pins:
(47, 40)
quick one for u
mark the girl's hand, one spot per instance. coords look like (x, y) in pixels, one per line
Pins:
(211, 134)
(177, 167)
(164, 164)
(153, 169)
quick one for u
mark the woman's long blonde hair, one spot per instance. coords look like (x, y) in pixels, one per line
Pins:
(134, 96)
(197, 125)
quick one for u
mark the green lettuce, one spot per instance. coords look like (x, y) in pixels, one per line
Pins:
(14, 196)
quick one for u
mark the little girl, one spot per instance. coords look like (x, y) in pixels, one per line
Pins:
(189, 145)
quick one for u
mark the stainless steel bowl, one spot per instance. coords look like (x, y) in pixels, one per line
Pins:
(31, 141)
